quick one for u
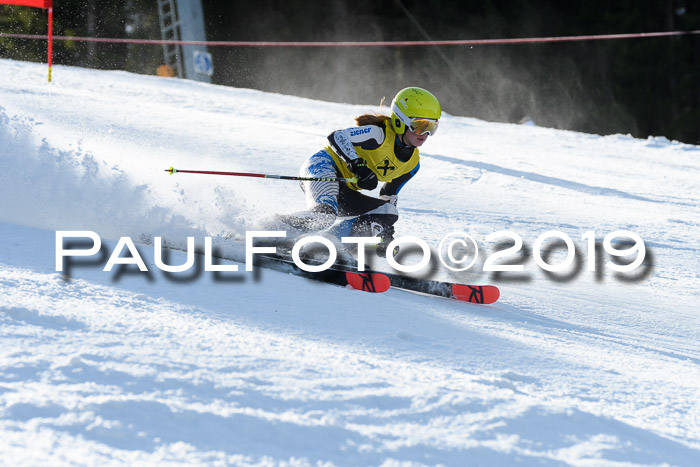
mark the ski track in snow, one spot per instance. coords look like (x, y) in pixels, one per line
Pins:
(266, 368)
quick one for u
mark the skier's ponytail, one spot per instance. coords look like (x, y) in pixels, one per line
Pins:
(376, 119)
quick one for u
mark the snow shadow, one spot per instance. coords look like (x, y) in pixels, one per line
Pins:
(539, 178)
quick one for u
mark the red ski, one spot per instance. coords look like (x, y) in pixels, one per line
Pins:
(482, 294)
(373, 282)
(475, 293)
(380, 282)
(368, 281)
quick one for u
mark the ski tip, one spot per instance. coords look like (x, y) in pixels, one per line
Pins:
(369, 282)
(483, 294)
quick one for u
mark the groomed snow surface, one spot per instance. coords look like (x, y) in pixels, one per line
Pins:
(265, 368)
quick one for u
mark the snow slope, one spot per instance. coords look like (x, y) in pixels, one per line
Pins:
(266, 368)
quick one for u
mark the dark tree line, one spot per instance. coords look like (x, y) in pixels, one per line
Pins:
(638, 86)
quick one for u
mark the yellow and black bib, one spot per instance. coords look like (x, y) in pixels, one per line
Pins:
(381, 160)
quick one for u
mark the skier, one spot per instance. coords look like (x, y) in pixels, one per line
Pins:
(380, 149)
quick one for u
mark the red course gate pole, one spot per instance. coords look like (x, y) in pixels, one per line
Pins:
(50, 2)
(45, 4)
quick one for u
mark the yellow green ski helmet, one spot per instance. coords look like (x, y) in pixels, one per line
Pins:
(417, 109)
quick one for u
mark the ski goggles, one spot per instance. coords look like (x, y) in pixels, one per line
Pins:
(422, 126)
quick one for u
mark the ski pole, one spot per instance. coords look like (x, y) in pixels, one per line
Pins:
(280, 177)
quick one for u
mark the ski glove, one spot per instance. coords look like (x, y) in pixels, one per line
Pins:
(366, 179)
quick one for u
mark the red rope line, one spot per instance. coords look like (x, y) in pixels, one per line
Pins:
(529, 40)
